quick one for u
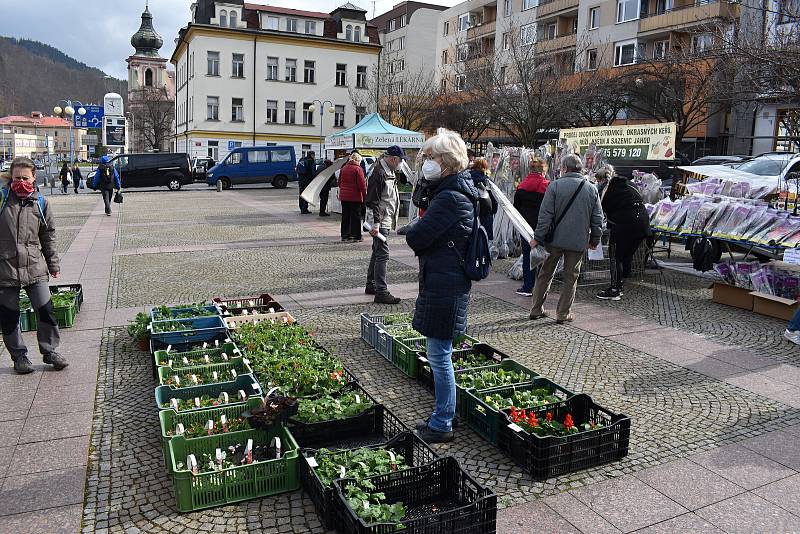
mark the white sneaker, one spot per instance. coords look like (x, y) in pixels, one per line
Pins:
(794, 337)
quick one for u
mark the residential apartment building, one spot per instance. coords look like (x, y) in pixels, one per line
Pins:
(40, 135)
(249, 74)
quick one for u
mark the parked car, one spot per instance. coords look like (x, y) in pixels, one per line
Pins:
(167, 169)
(779, 166)
(200, 166)
(255, 165)
(720, 160)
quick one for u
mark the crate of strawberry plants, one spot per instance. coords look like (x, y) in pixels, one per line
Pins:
(183, 311)
(223, 419)
(371, 323)
(209, 395)
(226, 468)
(320, 467)
(481, 407)
(65, 307)
(505, 373)
(283, 317)
(188, 346)
(223, 353)
(174, 331)
(264, 299)
(77, 289)
(347, 418)
(434, 498)
(477, 355)
(198, 375)
(571, 436)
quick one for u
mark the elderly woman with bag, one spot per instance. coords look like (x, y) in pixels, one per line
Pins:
(440, 239)
(352, 190)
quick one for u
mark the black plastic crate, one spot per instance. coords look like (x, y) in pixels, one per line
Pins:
(415, 452)
(551, 456)
(425, 376)
(373, 426)
(462, 505)
(264, 299)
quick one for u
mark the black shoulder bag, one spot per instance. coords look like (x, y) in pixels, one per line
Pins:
(551, 233)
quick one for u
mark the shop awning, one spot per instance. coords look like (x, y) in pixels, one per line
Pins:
(374, 132)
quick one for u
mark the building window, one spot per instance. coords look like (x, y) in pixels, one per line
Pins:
(341, 74)
(272, 111)
(273, 23)
(212, 108)
(627, 10)
(308, 115)
(361, 76)
(392, 25)
(212, 150)
(348, 34)
(289, 112)
(272, 68)
(594, 18)
(625, 53)
(529, 4)
(506, 41)
(401, 43)
(444, 57)
(311, 27)
(461, 82)
(223, 18)
(529, 34)
(361, 112)
(238, 66)
(148, 78)
(463, 52)
(508, 6)
(446, 30)
(291, 70)
(357, 34)
(309, 68)
(662, 6)
(213, 64)
(338, 116)
(660, 49)
(291, 25)
(305, 149)
(591, 59)
(702, 42)
(233, 18)
(789, 12)
(237, 110)
(463, 22)
(403, 20)
(550, 31)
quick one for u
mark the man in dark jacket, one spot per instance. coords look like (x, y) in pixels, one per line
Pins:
(383, 202)
(106, 179)
(325, 192)
(440, 239)
(307, 171)
(580, 228)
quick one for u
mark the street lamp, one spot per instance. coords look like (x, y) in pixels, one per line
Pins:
(313, 108)
(69, 111)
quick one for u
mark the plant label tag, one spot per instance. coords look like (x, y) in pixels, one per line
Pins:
(210, 427)
(206, 359)
(177, 380)
(194, 379)
(197, 402)
(191, 462)
(358, 398)
(205, 344)
(169, 363)
(244, 312)
(185, 360)
(276, 442)
(237, 351)
(423, 359)
(312, 462)
(342, 471)
(245, 361)
(225, 356)
(515, 427)
(223, 397)
(216, 342)
(179, 430)
(242, 395)
(392, 459)
(174, 403)
(219, 456)
(271, 309)
(215, 376)
(248, 451)
(366, 504)
(223, 420)
(169, 348)
(228, 340)
(255, 387)
(233, 373)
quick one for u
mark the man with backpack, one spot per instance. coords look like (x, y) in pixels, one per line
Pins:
(306, 171)
(106, 179)
(28, 259)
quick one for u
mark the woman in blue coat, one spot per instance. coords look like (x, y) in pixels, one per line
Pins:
(440, 240)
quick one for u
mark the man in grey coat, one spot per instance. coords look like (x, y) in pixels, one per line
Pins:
(580, 228)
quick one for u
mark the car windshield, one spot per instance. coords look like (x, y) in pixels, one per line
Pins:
(766, 165)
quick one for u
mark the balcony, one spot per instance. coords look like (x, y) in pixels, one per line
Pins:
(685, 16)
(550, 7)
(482, 30)
(556, 44)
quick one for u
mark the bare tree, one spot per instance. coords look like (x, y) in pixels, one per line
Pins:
(153, 112)
(459, 112)
(597, 98)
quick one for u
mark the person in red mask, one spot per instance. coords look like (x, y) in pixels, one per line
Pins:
(28, 258)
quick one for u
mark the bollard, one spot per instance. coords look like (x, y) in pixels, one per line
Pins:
(219, 186)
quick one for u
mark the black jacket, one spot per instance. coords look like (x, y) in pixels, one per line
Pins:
(625, 210)
(528, 204)
(441, 308)
(488, 205)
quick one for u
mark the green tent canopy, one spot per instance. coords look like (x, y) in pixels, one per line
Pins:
(374, 132)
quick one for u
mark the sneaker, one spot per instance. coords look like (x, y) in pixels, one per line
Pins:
(23, 366)
(305, 212)
(536, 317)
(794, 337)
(610, 293)
(422, 425)
(568, 319)
(369, 290)
(386, 298)
(524, 292)
(324, 214)
(56, 360)
(429, 435)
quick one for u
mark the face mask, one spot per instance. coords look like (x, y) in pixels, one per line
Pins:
(431, 170)
(22, 188)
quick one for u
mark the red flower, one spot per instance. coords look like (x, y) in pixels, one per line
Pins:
(568, 422)
(522, 415)
(532, 420)
(514, 415)
(549, 417)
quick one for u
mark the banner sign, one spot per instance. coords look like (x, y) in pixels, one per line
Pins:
(387, 140)
(631, 141)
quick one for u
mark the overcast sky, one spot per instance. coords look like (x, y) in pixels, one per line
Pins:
(98, 32)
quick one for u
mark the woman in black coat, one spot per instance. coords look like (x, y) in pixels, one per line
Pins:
(440, 240)
(629, 225)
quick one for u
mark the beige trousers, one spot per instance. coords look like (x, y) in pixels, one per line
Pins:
(572, 269)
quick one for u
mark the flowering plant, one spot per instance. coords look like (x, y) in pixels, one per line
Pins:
(531, 423)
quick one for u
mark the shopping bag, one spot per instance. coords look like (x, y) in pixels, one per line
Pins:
(538, 255)
(69, 177)
(596, 254)
(118, 197)
(82, 184)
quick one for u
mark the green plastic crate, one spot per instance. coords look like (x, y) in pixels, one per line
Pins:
(177, 357)
(237, 364)
(66, 316)
(28, 321)
(508, 365)
(170, 418)
(485, 420)
(405, 355)
(207, 490)
(246, 383)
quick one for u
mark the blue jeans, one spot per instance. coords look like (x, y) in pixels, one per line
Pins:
(794, 324)
(527, 275)
(440, 352)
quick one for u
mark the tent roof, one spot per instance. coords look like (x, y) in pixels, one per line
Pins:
(373, 124)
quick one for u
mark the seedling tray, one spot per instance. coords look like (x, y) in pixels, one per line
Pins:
(551, 456)
(462, 505)
(189, 345)
(241, 483)
(507, 364)
(177, 357)
(276, 318)
(272, 307)
(485, 420)
(246, 383)
(238, 364)
(425, 376)
(371, 323)
(63, 288)
(202, 329)
(176, 310)
(415, 452)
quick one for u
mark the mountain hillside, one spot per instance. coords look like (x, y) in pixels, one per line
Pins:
(34, 76)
